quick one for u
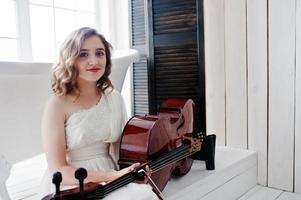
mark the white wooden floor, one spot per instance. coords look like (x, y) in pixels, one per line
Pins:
(25, 178)
(264, 193)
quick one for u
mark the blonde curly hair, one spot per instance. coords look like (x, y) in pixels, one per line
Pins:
(64, 73)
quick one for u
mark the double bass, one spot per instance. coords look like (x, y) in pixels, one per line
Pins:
(164, 142)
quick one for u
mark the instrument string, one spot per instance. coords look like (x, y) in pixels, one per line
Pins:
(114, 185)
(165, 161)
(128, 178)
(103, 190)
(124, 182)
(175, 159)
(157, 164)
(180, 158)
(166, 158)
(169, 154)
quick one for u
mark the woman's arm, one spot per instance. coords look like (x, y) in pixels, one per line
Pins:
(114, 152)
(54, 143)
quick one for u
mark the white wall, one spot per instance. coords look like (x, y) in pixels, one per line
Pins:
(253, 83)
(282, 27)
(116, 30)
(24, 89)
(298, 100)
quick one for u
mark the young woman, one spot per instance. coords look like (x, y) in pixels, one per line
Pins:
(84, 119)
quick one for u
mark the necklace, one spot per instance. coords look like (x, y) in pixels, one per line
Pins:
(77, 96)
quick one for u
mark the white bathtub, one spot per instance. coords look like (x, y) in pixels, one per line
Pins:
(24, 89)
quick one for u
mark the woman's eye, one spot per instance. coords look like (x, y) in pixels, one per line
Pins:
(83, 54)
(99, 53)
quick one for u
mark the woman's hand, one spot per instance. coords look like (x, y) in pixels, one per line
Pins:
(127, 169)
(148, 172)
(116, 174)
(131, 168)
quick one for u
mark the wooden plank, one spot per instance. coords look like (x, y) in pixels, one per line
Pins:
(262, 193)
(257, 83)
(26, 177)
(235, 64)
(230, 163)
(298, 102)
(242, 183)
(215, 68)
(289, 196)
(281, 93)
(251, 192)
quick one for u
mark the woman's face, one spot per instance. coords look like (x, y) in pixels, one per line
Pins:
(91, 62)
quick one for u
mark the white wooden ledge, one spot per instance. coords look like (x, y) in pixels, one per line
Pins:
(235, 174)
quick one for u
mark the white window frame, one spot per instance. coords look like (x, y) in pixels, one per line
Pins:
(107, 22)
(24, 28)
(23, 31)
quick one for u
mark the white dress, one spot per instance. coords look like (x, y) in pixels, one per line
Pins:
(89, 133)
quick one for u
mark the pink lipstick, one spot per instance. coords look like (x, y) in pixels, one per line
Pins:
(94, 69)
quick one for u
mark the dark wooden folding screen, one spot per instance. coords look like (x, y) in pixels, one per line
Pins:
(170, 36)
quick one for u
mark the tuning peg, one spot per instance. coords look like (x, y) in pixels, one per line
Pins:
(80, 174)
(200, 135)
(57, 179)
(140, 174)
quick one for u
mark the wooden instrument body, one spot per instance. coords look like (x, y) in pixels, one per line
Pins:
(75, 193)
(147, 137)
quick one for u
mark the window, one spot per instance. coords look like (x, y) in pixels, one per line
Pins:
(8, 31)
(54, 20)
(36, 31)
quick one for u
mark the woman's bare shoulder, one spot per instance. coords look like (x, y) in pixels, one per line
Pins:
(62, 105)
(56, 101)
(58, 104)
